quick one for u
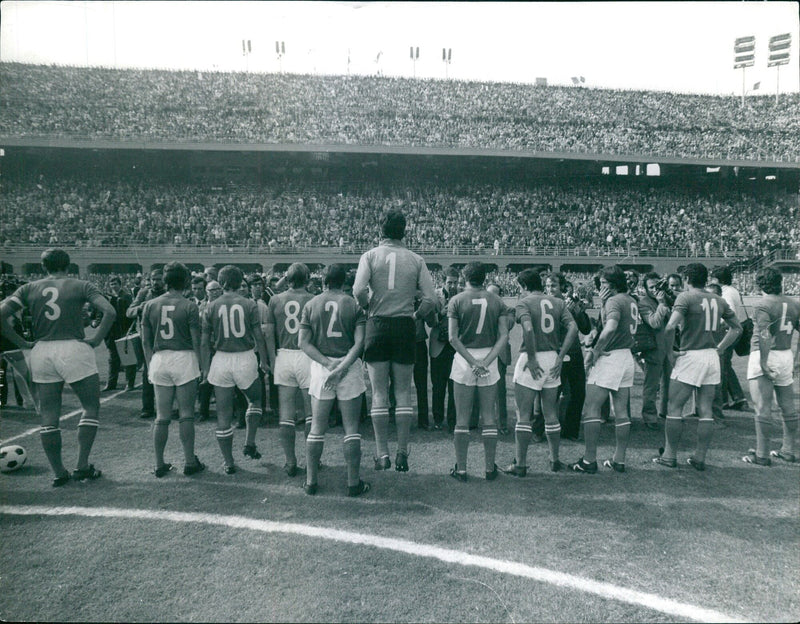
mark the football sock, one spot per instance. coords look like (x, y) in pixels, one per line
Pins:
(252, 417)
(489, 437)
(461, 443)
(673, 430)
(380, 425)
(591, 432)
(790, 433)
(286, 436)
(523, 432)
(403, 417)
(225, 441)
(186, 432)
(352, 458)
(623, 433)
(762, 438)
(314, 444)
(87, 431)
(705, 429)
(553, 433)
(307, 426)
(160, 436)
(51, 443)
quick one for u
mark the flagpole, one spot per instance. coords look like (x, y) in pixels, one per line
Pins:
(778, 85)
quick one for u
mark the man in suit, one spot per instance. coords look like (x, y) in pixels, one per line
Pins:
(442, 356)
(121, 300)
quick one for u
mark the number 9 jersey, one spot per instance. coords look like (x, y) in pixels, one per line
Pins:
(232, 322)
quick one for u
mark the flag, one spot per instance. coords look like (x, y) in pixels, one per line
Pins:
(756, 86)
(575, 80)
(583, 79)
(19, 362)
(378, 58)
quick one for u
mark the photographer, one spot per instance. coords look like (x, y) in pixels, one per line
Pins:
(655, 304)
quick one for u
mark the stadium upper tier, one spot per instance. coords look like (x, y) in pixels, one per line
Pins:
(154, 105)
(594, 215)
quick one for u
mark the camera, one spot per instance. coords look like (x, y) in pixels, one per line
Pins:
(663, 286)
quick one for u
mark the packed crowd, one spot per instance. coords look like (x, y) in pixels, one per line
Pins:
(579, 217)
(153, 105)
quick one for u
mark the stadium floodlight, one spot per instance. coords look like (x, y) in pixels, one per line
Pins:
(744, 56)
(447, 57)
(780, 49)
(280, 52)
(414, 53)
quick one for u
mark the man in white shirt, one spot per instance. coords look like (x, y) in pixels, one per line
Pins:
(731, 389)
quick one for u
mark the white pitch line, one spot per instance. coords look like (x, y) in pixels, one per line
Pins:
(543, 575)
(65, 417)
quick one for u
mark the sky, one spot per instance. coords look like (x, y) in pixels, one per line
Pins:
(664, 46)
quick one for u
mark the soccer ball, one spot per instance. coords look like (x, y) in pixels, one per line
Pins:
(12, 458)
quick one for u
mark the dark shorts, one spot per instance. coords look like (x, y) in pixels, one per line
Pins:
(390, 339)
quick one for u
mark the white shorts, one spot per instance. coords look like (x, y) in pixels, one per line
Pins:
(53, 361)
(461, 371)
(173, 368)
(292, 368)
(613, 371)
(229, 369)
(698, 367)
(523, 377)
(351, 385)
(779, 361)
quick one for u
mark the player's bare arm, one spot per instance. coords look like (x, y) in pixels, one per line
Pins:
(102, 305)
(502, 340)
(343, 365)
(599, 348)
(529, 339)
(310, 349)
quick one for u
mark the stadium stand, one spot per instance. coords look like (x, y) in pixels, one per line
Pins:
(158, 106)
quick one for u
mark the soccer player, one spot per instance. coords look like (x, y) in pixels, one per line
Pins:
(60, 353)
(548, 331)
(332, 335)
(290, 363)
(478, 332)
(171, 342)
(769, 369)
(387, 280)
(233, 326)
(611, 370)
(697, 366)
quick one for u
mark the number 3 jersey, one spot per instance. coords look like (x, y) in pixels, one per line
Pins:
(232, 321)
(701, 312)
(56, 305)
(550, 319)
(332, 318)
(285, 313)
(478, 313)
(170, 319)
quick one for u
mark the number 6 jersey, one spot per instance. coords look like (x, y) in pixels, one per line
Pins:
(285, 313)
(549, 317)
(232, 321)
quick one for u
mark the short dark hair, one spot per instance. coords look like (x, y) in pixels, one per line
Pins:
(115, 278)
(677, 276)
(335, 275)
(159, 272)
(350, 280)
(497, 286)
(615, 277)
(452, 271)
(632, 276)
(255, 278)
(55, 260)
(176, 275)
(394, 224)
(297, 275)
(559, 277)
(475, 273)
(696, 274)
(722, 275)
(651, 275)
(199, 279)
(770, 280)
(530, 279)
(230, 277)
(714, 288)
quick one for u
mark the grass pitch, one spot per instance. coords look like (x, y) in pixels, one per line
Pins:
(726, 539)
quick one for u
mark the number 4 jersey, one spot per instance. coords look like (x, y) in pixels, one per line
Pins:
(170, 318)
(56, 305)
(701, 312)
(285, 312)
(232, 321)
(332, 318)
(780, 314)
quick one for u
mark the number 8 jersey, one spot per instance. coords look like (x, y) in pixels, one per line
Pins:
(232, 322)
(56, 306)
(285, 312)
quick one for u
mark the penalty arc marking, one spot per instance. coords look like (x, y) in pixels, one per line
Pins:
(447, 555)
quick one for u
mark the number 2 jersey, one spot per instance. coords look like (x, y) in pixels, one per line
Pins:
(781, 314)
(332, 318)
(478, 313)
(701, 312)
(56, 305)
(170, 319)
(550, 319)
(232, 322)
(285, 313)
